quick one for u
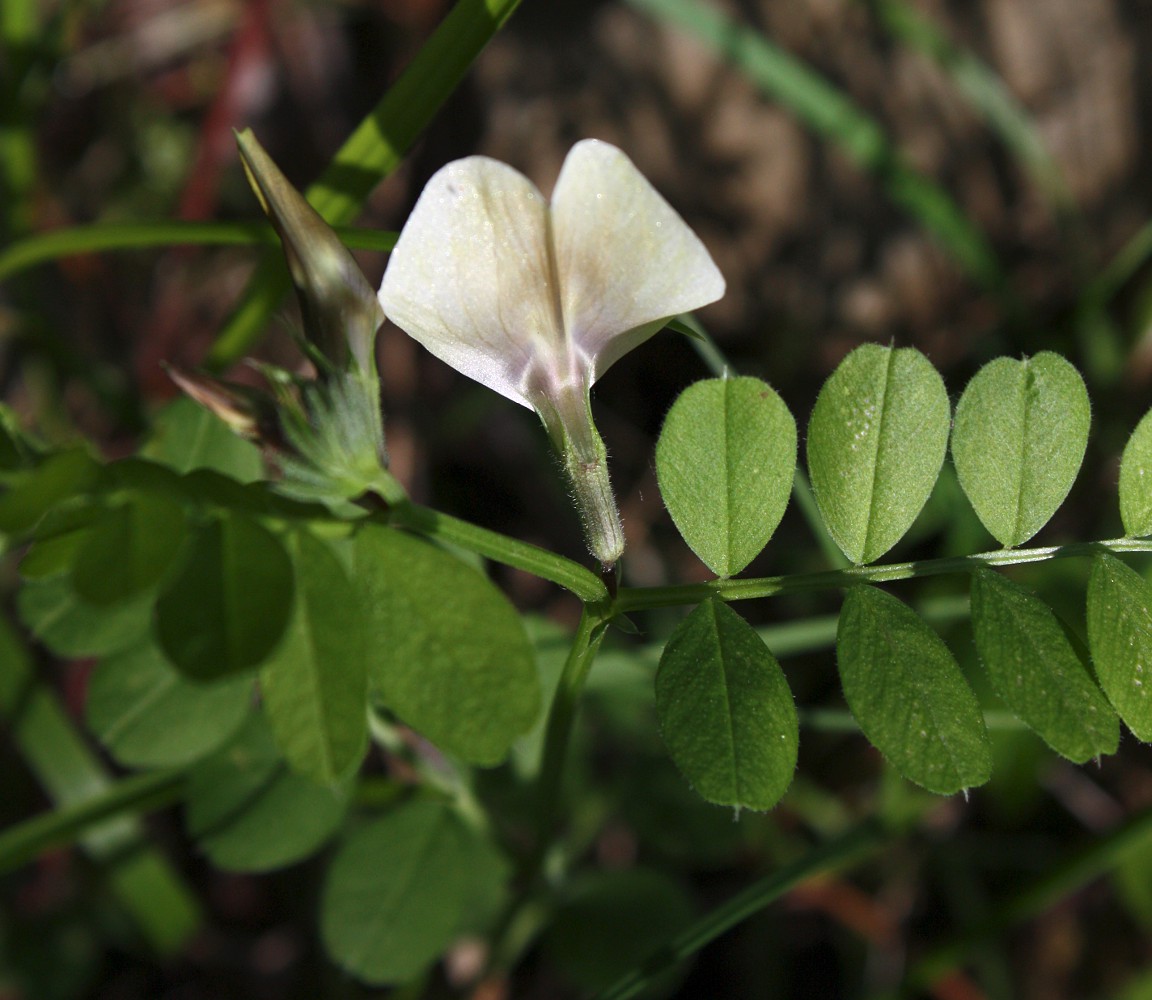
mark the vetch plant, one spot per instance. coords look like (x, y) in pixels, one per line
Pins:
(315, 666)
(537, 299)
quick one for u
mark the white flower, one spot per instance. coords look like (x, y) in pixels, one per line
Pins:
(537, 301)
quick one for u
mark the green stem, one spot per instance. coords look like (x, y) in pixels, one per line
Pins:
(832, 856)
(509, 551)
(508, 937)
(68, 823)
(641, 598)
(561, 717)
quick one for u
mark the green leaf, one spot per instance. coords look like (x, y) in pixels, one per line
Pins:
(725, 710)
(1036, 672)
(58, 537)
(71, 627)
(610, 921)
(249, 812)
(1120, 637)
(908, 694)
(453, 658)
(228, 604)
(129, 548)
(315, 685)
(1136, 480)
(147, 715)
(876, 442)
(725, 461)
(186, 436)
(59, 477)
(399, 889)
(1020, 434)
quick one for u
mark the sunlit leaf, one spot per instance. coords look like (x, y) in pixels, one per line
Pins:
(1136, 480)
(908, 694)
(1036, 672)
(1019, 438)
(876, 441)
(725, 710)
(1120, 637)
(725, 460)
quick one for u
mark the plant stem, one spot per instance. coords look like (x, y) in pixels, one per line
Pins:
(637, 599)
(66, 824)
(550, 779)
(570, 575)
(561, 716)
(831, 856)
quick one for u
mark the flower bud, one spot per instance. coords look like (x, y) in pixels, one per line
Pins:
(340, 311)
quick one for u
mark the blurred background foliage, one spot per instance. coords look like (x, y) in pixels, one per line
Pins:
(972, 179)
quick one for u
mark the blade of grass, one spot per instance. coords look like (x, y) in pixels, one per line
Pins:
(143, 881)
(137, 794)
(104, 236)
(833, 115)
(833, 856)
(1101, 342)
(985, 92)
(372, 152)
(1080, 868)
(19, 24)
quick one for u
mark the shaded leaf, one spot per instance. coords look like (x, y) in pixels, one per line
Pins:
(147, 715)
(70, 626)
(185, 436)
(725, 710)
(1120, 637)
(725, 461)
(610, 921)
(1019, 438)
(876, 442)
(315, 684)
(129, 548)
(451, 655)
(228, 604)
(58, 538)
(908, 694)
(249, 812)
(399, 889)
(59, 477)
(1036, 672)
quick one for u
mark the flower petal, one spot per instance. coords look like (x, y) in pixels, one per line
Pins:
(470, 277)
(627, 261)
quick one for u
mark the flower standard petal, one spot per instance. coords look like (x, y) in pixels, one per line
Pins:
(471, 276)
(627, 262)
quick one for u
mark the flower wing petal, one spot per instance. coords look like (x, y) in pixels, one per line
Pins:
(471, 275)
(626, 260)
